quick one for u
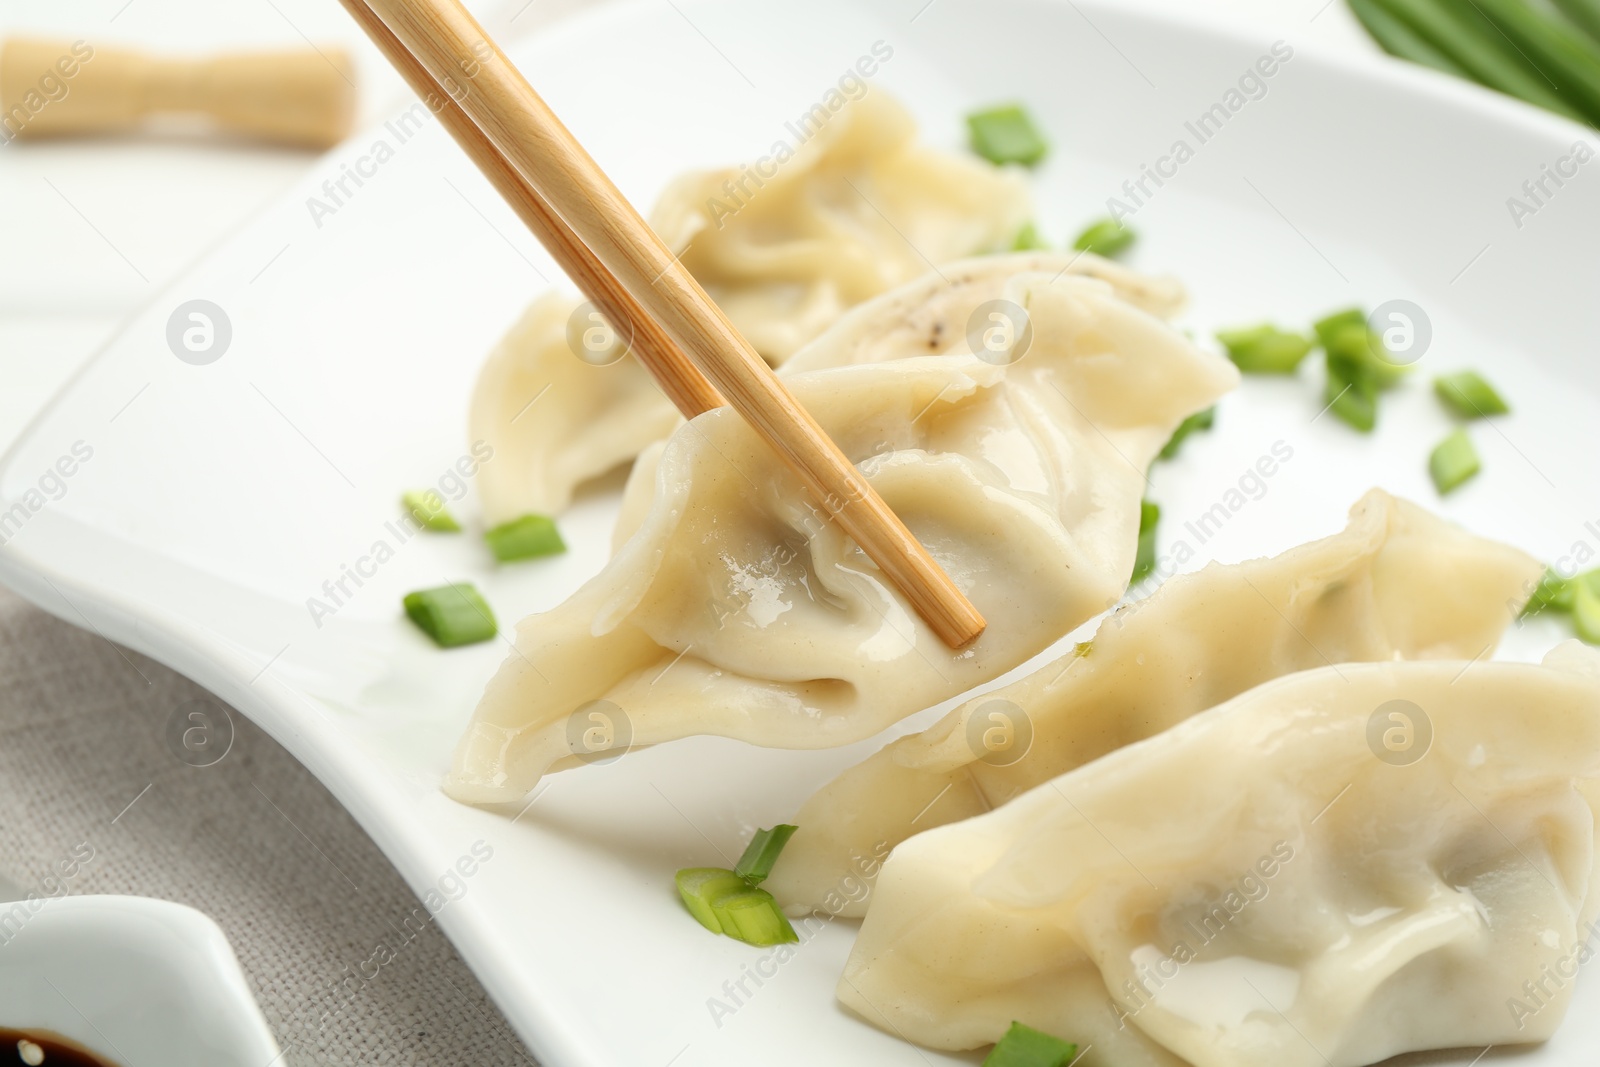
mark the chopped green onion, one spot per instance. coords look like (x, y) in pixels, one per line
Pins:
(753, 916)
(1200, 420)
(1586, 607)
(451, 614)
(1006, 134)
(729, 902)
(1330, 326)
(428, 508)
(1145, 560)
(700, 887)
(1351, 394)
(525, 538)
(1265, 349)
(1453, 461)
(1028, 239)
(1105, 237)
(762, 853)
(1468, 395)
(1553, 592)
(1023, 1046)
(1398, 39)
(1345, 335)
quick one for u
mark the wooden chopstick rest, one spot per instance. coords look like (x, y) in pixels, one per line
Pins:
(57, 88)
(528, 136)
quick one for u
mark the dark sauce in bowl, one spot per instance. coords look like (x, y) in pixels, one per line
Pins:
(40, 1048)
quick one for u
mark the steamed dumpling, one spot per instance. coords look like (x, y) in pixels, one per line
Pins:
(1398, 582)
(737, 609)
(934, 315)
(805, 247)
(858, 210)
(1336, 867)
(556, 421)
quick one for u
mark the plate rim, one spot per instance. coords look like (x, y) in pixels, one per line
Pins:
(210, 661)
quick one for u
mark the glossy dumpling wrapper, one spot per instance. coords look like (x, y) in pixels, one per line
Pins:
(554, 420)
(934, 315)
(1398, 582)
(736, 609)
(804, 248)
(861, 208)
(1290, 879)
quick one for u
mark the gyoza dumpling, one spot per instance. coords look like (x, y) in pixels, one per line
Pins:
(935, 314)
(736, 609)
(805, 246)
(1398, 582)
(860, 208)
(556, 421)
(1336, 867)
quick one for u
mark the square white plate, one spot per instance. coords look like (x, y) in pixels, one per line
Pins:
(219, 498)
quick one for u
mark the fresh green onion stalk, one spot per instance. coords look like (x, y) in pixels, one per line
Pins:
(1506, 45)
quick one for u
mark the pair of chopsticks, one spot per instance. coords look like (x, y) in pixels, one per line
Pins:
(607, 249)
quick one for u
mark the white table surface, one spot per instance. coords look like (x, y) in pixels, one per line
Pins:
(92, 230)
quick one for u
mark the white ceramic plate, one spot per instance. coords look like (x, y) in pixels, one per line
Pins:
(218, 498)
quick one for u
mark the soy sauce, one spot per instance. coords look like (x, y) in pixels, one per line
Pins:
(27, 1048)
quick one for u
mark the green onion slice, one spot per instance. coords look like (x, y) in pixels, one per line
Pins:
(451, 614)
(1006, 134)
(753, 916)
(1468, 395)
(762, 853)
(428, 508)
(1553, 592)
(701, 887)
(1453, 461)
(1586, 607)
(1023, 1046)
(1265, 349)
(1105, 237)
(1028, 239)
(525, 538)
(1145, 560)
(1345, 336)
(1351, 394)
(1200, 420)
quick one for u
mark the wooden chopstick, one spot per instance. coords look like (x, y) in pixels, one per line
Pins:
(571, 189)
(678, 378)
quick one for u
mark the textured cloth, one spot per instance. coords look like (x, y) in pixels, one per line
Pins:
(253, 840)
